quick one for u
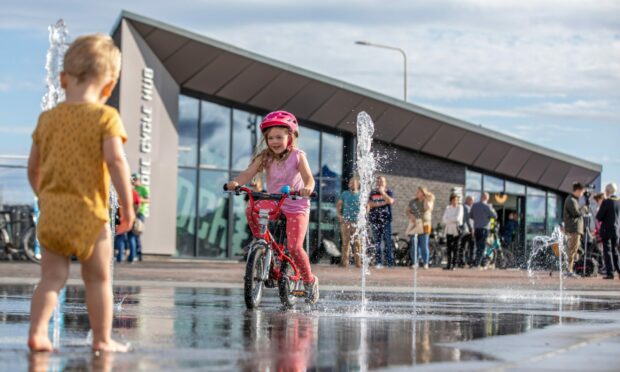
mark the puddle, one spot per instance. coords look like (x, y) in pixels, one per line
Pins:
(198, 328)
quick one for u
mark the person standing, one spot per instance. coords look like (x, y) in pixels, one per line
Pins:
(609, 215)
(380, 218)
(347, 209)
(452, 219)
(482, 213)
(420, 211)
(466, 254)
(573, 223)
(143, 209)
(77, 149)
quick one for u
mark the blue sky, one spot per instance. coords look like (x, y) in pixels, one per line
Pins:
(547, 72)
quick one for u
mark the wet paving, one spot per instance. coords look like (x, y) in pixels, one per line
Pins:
(178, 328)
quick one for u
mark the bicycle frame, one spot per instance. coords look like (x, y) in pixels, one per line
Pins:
(267, 237)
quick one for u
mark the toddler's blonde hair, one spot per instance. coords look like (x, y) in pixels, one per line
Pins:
(93, 57)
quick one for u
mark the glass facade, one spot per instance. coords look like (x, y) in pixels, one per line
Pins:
(216, 142)
(537, 211)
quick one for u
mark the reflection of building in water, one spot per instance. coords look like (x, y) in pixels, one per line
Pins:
(193, 325)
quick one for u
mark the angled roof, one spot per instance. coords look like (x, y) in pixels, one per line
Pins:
(217, 69)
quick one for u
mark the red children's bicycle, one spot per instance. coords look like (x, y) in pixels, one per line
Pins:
(268, 263)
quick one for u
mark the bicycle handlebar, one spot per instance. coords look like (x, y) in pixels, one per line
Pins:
(264, 195)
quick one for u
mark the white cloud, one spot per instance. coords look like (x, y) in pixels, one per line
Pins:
(16, 129)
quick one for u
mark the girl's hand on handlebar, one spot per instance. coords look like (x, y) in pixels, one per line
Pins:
(230, 186)
(305, 192)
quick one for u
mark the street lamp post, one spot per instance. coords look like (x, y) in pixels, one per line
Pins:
(391, 48)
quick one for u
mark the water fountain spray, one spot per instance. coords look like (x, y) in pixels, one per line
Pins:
(555, 242)
(365, 167)
(58, 33)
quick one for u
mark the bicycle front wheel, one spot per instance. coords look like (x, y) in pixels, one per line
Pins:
(253, 281)
(287, 287)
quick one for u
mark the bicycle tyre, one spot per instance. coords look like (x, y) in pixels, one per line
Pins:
(436, 254)
(252, 282)
(286, 286)
(506, 259)
(401, 252)
(28, 243)
(5, 245)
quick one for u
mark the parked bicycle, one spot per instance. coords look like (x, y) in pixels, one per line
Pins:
(436, 246)
(17, 235)
(496, 254)
(268, 263)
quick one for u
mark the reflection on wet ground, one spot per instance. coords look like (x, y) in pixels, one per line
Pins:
(188, 328)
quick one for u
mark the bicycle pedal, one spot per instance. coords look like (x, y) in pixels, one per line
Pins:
(298, 293)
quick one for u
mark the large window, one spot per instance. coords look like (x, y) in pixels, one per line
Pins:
(186, 212)
(187, 129)
(554, 211)
(214, 136)
(244, 138)
(514, 188)
(473, 184)
(212, 215)
(330, 188)
(216, 142)
(535, 207)
(493, 184)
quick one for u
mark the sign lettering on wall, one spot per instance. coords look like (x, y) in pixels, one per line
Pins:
(146, 125)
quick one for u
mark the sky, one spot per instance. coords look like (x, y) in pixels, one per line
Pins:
(547, 71)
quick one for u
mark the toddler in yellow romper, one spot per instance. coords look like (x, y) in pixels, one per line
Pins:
(76, 150)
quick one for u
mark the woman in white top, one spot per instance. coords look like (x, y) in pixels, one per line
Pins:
(453, 219)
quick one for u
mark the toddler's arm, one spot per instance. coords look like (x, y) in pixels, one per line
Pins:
(114, 157)
(34, 166)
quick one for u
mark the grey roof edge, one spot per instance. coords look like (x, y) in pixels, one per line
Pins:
(361, 91)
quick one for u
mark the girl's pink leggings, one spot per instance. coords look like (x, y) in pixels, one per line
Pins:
(296, 227)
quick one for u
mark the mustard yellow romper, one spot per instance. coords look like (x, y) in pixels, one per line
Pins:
(74, 178)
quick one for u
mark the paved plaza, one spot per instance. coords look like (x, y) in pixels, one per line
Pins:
(190, 315)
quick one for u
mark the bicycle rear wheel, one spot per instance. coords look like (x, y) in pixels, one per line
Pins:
(252, 281)
(505, 259)
(287, 287)
(401, 253)
(28, 243)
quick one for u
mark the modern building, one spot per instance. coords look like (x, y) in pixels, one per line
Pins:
(191, 107)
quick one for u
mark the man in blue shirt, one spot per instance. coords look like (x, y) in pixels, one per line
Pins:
(380, 218)
(481, 213)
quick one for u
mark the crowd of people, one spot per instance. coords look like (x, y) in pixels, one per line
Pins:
(469, 224)
(466, 226)
(594, 224)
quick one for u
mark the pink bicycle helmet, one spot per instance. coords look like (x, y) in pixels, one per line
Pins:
(280, 119)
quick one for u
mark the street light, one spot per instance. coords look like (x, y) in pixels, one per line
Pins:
(367, 43)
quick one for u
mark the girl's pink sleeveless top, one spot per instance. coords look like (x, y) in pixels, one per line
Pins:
(281, 173)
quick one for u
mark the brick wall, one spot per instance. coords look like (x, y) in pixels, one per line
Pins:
(406, 170)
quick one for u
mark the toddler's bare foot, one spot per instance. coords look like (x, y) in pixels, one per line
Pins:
(111, 347)
(40, 343)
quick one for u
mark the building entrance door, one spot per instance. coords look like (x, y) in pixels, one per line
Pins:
(511, 217)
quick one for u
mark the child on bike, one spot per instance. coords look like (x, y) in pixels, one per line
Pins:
(285, 165)
(76, 149)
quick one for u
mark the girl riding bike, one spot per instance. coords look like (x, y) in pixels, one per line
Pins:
(285, 165)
